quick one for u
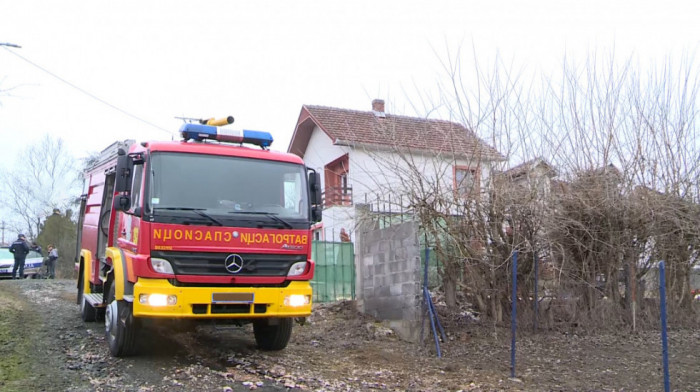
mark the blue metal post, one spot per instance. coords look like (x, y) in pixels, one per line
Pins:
(434, 321)
(664, 337)
(425, 266)
(513, 314)
(433, 318)
(537, 276)
(425, 284)
(433, 311)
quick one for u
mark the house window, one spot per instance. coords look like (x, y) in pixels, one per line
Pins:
(466, 181)
(337, 190)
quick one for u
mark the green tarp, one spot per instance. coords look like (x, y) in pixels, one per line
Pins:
(334, 278)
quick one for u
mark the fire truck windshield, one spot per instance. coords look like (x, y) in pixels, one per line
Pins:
(225, 190)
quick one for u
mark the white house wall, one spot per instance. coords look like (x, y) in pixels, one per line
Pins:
(381, 172)
(336, 218)
(375, 173)
(321, 151)
(537, 178)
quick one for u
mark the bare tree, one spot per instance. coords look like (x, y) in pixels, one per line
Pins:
(625, 145)
(629, 148)
(44, 178)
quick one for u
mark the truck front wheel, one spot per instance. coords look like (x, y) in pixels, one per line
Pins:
(120, 326)
(272, 335)
(87, 311)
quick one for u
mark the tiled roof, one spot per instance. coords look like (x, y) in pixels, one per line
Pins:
(351, 127)
(523, 168)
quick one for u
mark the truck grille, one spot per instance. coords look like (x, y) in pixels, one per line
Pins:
(197, 263)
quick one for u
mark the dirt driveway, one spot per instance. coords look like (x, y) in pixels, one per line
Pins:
(45, 346)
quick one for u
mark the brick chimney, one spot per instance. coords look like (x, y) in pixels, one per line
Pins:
(378, 107)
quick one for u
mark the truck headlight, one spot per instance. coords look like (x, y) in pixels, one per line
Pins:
(162, 266)
(157, 299)
(296, 300)
(297, 269)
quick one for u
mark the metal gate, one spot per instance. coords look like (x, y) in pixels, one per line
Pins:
(334, 278)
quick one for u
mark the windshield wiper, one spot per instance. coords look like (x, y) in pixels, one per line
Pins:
(198, 211)
(267, 214)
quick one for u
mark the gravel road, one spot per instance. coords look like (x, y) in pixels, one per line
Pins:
(45, 346)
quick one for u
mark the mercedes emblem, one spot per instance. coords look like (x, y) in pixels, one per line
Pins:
(233, 263)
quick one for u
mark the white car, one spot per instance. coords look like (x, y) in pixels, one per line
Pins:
(33, 264)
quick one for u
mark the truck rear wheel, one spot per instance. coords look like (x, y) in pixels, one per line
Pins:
(272, 335)
(120, 326)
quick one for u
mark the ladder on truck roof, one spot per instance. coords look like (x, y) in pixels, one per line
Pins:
(111, 152)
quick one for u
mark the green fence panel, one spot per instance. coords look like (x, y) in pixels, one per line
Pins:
(334, 278)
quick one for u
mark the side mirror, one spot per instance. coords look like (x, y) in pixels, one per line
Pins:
(125, 168)
(122, 203)
(315, 188)
(316, 214)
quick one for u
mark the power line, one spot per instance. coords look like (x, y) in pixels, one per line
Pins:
(88, 93)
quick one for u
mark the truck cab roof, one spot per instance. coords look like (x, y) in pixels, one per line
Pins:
(213, 148)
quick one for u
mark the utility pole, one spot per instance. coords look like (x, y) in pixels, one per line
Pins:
(3, 232)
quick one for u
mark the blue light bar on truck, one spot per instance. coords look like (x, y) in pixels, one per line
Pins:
(201, 132)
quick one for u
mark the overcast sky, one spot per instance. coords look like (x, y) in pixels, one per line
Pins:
(93, 72)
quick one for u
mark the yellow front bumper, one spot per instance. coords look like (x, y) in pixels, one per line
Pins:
(199, 302)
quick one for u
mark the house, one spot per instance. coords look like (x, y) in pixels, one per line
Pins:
(372, 158)
(525, 187)
(535, 176)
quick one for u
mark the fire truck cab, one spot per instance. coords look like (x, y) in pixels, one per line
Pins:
(206, 228)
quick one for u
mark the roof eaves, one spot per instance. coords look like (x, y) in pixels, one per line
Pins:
(318, 122)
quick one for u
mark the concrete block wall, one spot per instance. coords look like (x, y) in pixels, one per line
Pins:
(389, 278)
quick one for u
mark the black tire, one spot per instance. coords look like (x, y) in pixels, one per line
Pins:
(271, 335)
(79, 297)
(120, 326)
(87, 311)
(100, 314)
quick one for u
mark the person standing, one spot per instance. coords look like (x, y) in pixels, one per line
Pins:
(51, 263)
(344, 236)
(19, 249)
(35, 247)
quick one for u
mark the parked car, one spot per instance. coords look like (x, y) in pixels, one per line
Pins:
(32, 266)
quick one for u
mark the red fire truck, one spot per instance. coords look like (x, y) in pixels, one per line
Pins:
(203, 228)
